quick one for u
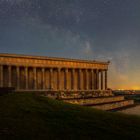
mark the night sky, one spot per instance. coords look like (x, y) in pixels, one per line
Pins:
(86, 29)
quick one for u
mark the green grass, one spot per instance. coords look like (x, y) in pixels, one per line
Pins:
(31, 117)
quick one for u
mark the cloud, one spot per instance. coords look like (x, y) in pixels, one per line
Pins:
(87, 50)
(12, 1)
(32, 36)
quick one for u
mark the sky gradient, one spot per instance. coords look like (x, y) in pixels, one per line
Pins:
(86, 29)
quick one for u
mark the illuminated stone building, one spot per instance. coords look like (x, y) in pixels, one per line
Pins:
(53, 74)
(70, 80)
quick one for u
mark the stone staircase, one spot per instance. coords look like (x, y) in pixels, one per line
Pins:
(102, 103)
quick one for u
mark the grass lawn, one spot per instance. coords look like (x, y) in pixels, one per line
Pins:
(31, 117)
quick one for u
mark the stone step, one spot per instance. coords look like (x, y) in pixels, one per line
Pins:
(114, 105)
(83, 94)
(95, 101)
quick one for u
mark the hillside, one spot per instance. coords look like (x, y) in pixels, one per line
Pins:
(27, 116)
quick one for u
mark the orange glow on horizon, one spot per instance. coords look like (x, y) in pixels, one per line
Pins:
(129, 88)
(136, 88)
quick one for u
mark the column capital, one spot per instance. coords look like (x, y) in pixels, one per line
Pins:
(43, 69)
(73, 69)
(59, 69)
(66, 69)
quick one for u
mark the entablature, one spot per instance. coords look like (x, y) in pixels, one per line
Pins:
(30, 61)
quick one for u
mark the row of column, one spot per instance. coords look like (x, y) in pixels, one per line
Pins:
(98, 78)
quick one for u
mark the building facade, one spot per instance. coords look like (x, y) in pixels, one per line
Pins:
(52, 74)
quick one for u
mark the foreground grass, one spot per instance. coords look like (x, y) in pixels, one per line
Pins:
(26, 116)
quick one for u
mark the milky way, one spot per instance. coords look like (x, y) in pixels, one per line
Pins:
(85, 29)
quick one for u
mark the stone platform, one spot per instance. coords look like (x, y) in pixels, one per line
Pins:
(114, 105)
(103, 100)
(102, 103)
(94, 101)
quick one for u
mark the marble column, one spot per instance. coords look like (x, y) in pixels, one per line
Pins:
(73, 79)
(1, 75)
(43, 78)
(51, 78)
(87, 80)
(66, 79)
(102, 80)
(59, 79)
(105, 79)
(9, 76)
(92, 79)
(80, 79)
(97, 79)
(35, 81)
(18, 77)
(26, 77)
(94, 71)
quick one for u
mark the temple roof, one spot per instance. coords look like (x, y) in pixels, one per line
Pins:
(52, 58)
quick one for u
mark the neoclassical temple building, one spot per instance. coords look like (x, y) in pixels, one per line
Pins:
(82, 82)
(40, 73)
